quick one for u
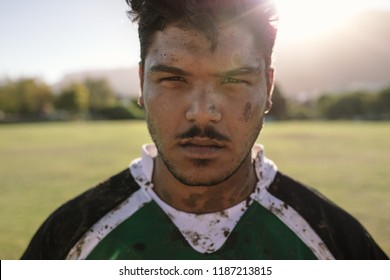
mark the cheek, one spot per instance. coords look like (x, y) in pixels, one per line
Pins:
(246, 112)
(154, 103)
(162, 111)
(251, 110)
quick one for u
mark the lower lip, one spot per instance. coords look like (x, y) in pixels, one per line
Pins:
(197, 151)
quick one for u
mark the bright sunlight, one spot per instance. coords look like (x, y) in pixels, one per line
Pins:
(305, 19)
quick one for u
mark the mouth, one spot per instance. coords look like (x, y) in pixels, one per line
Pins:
(202, 148)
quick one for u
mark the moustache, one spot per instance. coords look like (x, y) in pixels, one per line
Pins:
(208, 132)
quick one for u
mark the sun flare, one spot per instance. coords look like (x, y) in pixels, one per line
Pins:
(304, 19)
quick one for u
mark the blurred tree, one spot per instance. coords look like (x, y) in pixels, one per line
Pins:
(383, 104)
(352, 105)
(118, 112)
(26, 97)
(279, 108)
(135, 109)
(324, 105)
(101, 95)
(299, 110)
(8, 98)
(74, 99)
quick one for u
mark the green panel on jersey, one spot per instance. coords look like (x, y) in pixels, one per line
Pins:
(261, 235)
(150, 234)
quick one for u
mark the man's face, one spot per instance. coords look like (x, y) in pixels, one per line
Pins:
(204, 108)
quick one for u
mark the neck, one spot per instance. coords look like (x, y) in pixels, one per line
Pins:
(204, 199)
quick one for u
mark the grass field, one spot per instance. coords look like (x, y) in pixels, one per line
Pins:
(43, 165)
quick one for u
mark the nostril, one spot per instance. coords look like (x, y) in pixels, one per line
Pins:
(202, 113)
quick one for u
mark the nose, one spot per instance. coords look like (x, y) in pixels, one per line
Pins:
(203, 109)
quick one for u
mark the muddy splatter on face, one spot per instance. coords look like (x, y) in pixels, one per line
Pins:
(246, 112)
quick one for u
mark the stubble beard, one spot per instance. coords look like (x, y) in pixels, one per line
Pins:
(195, 181)
(202, 163)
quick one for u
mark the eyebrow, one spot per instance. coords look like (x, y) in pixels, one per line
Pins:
(229, 73)
(169, 69)
(239, 71)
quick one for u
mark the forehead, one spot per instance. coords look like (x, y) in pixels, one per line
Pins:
(176, 44)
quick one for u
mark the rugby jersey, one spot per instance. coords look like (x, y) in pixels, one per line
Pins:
(123, 218)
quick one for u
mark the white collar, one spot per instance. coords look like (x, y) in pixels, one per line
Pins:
(206, 233)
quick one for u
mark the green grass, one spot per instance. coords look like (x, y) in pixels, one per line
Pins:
(43, 165)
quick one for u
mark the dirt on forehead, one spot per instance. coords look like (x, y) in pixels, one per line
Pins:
(230, 38)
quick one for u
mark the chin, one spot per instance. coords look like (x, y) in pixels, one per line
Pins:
(200, 178)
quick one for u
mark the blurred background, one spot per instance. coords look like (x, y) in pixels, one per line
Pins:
(67, 67)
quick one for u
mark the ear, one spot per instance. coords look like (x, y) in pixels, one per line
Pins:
(270, 88)
(141, 101)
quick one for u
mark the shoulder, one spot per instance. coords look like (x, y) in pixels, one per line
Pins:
(345, 237)
(68, 223)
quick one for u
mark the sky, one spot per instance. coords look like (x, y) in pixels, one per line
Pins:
(49, 38)
(303, 19)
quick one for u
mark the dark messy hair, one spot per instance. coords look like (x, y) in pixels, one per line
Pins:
(154, 15)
